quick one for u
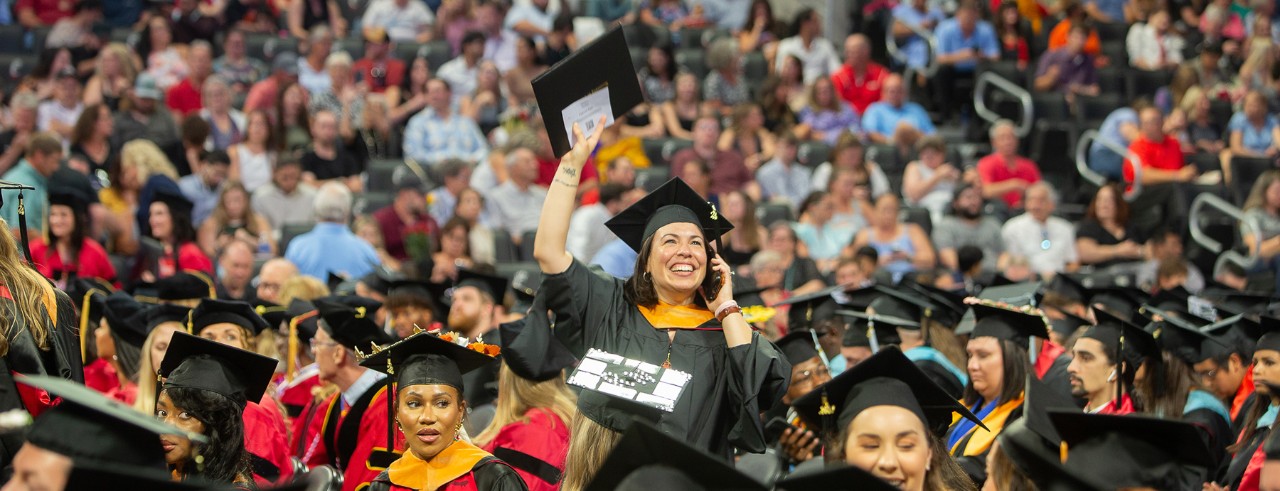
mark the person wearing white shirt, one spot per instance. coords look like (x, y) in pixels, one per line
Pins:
(406, 21)
(531, 19)
(515, 205)
(1153, 46)
(60, 113)
(817, 56)
(587, 232)
(460, 72)
(1047, 242)
(783, 179)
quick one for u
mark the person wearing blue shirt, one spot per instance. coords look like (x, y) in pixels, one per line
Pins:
(43, 157)
(331, 247)
(915, 13)
(730, 15)
(894, 119)
(1106, 11)
(439, 132)
(616, 258)
(963, 41)
(1120, 128)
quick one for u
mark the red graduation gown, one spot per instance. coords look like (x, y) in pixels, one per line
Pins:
(296, 395)
(266, 440)
(99, 375)
(345, 439)
(536, 449)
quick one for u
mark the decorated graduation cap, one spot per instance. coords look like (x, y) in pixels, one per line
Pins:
(1134, 451)
(888, 378)
(197, 363)
(673, 202)
(213, 311)
(494, 286)
(350, 321)
(644, 449)
(275, 314)
(809, 309)
(185, 285)
(89, 427)
(838, 478)
(531, 350)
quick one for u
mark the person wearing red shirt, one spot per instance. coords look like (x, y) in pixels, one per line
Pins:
(34, 14)
(184, 98)
(405, 215)
(381, 72)
(1004, 173)
(1159, 154)
(84, 257)
(859, 79)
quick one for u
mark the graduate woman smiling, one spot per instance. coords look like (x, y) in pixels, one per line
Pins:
(668, 313)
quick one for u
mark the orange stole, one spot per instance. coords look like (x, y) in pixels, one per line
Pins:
(666, 316)
(980, 440)
(455, 461)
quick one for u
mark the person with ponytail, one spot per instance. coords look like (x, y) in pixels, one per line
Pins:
(1245, 469)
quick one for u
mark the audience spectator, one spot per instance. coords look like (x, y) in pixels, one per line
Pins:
(76, 30)
(500, 43)
(1159, 154)
(725, 85)
(778, 115)
(380, 72)
(233, 219)
(253, 158)
(23, 113)
(146, 118)
(1004, 174)
(729, 15)
(761, 32)
(1046, 242)
(850, 155)
(286, 200)
(442, 200)
(91, 148)
(1154, 45)
(196, 21)
(587, 230)
(50, 63)
(169, 224)
(792, 76)
(35, 14)
(822, 239)
(42, 158)
(406, 21)
(859, 80)
(439, 132)
(113, 76)
(747, 236)
(413, 92)
(480, 236)
(1068, 69)
(894, 119)
(264, 93)
(680, 113)
(453, 252)
(1253, 132)
(783, 179)
(1164, 245)
(139, 161)
(185, 152)
(817, 55)
(727, 169)
(962, 42)
(330, 247)
(1220, 21)
(486, 104)
(931, 181)
(1203, 134)
(407, 214)
(59, 114)
(920, 14)
(515, 205)
(800, 274)
(901, 247)
(671, 14)
(305, 17)
(293, 120)
(235, 65)
(226, 123)
(461, 71)
(827, 117)
(328, 159)
(203, 187)
(1014, 34)
(344, 97)
(1213, 76)
(1075, 15)
(657, 76)
(1107, 11)
(1263, 209)
(532, 19)
(235, 269)
(518, 79)
(313, 71)
(747, 135)
(163, 60)
(1106, 236)
(967, 226)
(1119, 128)
(852, 194)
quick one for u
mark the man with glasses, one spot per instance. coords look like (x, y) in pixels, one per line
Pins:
(1047, 242)
(1225, 371)
(274, 273)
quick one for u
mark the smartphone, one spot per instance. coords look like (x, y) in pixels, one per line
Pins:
(776, 427)
(714, 281)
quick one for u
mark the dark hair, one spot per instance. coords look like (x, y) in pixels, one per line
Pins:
(529, 42)
(670, 68)
(867, 252)
(801, 17)
(303, 118)
(287, 160)
(751, 16)
(452, 167)
(562, 23)
(639, 289)
(215, 157)
(272, 136)
(44, 65)
(77, 235)
(128, 356)
(452, 223)
(942, 473)
(935, 143)
(398, 299)
(811, 200)
(225, 458)
(1016, 361)
(612, 191)
(968, 256)
(85, 124)
(1117, 200)
(472, 37)
(195, 130)
(183, 230)
(1166, 229)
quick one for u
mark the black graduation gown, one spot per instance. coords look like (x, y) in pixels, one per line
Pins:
(975, 466)
(1056, 377)
(1237, 423)
(1217, 434)
(720, 406)
(1240, 462)
(489, 474)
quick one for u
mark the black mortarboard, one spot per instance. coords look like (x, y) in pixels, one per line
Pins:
(120, 306)
(152, 317)
(1015, 294)
(873, 331)
(887, 378)
(859, 298)
(525, 284)
(1068, 324)
(1134, 451)
(133, 331)
(378, 281)
(1119, 300)
(644, 445)
(494, 286)
(999, 279)
(275, 314)
(615, 413)
(170, 195)
(798, 346)
(89, 427)
(1185, 340)
(197, 363)
(1107, 331)
(901, 304)
(1068, 287)
(809, 309)
(93, 477)
(1241, 302)
(948, 307)
(426, 359)
(303, 322)
(213, 311)
(841, 477)
(531, 350)
(1032, 443)
(415, 288)
(1238, 331)
(185, 285)
(89, 296)
(604, 63)
(673, 202)
(1270, 339)
(1171, 299)
(69, 196)
(350, 321)
(1007, 324)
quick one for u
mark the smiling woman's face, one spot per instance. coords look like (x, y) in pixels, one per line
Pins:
(890, 442)
(429, 417)
(677, 260)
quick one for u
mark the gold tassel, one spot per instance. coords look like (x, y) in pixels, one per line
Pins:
(84, 322)
(291, 365)
(190, 325)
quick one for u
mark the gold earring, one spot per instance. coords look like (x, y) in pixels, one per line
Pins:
(457, 432)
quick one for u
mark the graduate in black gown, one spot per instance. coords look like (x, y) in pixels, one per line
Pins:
(677, 309)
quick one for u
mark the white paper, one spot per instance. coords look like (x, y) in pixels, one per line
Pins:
(586, 112)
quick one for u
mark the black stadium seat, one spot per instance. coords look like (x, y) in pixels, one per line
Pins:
(692, 60)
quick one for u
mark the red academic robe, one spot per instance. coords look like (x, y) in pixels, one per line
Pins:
(267, 442)
(296, 395)
(126, 394)
(99, 375)
(1242, 394)
(328, 434)
(536, 449)
(1125, 407)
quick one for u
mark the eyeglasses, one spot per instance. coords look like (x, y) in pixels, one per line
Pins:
(315, 345)
(806, 375)
(1208, 374)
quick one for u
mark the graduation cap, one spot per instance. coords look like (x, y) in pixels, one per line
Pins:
(1015, 294)
(1118, 299)
(858, 298)
(197, 363)
(887, 378)
(274, 313)
(494, 286)
(809, 309)
(644, 449)
(1186, 340)
(835, 478)
(1066, 286)
(1008, 324)
(798, 346)
(70, 197)
(349, 321)
(89, 427)
(1171, 299)
(615, 413)
(673, 202)
(948, 306)
(118, 308)
(1068, 324)
(604, 64)
(173, 197)
(89, 295)
(525, 284)
(1238, 331)
(1270, 339)
(303, 322)
(901, 304)
(93, 477)
(22, 213)
(1032, 444)
(871, 331)
(185, 285)
(213, 311)
(1242, 302)
(1108, 330)
(1134, 451)
(151, 317)
(378, 280)
(531, 350)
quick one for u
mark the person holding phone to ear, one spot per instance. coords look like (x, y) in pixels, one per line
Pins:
(676, 311)
(1094, 370)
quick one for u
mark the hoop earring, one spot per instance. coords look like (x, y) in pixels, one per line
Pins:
(648, 277)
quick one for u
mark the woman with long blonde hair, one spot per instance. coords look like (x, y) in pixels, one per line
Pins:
(137, 162)
(112, 78)
(162, 322)
(28, 296)
(233, 219)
